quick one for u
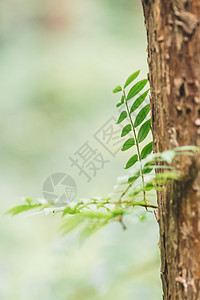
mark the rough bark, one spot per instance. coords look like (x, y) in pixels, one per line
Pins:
(173, 34)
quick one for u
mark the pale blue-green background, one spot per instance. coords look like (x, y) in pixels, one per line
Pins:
(59, 61)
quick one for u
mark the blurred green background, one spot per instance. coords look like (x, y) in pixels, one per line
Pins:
(59, 62)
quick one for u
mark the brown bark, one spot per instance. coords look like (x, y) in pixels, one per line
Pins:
(173, 34)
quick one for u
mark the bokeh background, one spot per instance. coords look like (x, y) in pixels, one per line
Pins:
(59, 61)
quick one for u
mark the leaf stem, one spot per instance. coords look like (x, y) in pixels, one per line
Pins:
(137, 145)
(132, 203)
(124, 193)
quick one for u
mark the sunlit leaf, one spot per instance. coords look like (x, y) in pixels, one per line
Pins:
(168, 155)
(95, 215)
(117, 89)
(21, 208)
(29, 201)
(126, 130)
(165, 177)
(142, 115)
(131, 78)
(188, 153)
(144, 130)
(131, 161)
(128, 144)
(148, 186)
(89, 229)
(148, 168)
(69, 210)
(187, 148)
(136, 190)
(70, 223)
(137, 88)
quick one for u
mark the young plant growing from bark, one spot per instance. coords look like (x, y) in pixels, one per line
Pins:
(148, 172)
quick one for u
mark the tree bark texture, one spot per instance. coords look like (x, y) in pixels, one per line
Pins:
(173, 34)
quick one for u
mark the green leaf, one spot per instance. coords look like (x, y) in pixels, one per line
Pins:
(90, 229)
(117, 89)
(168, 156)
(188, 147)
(131, 161)
(146, 150)
(138, 101)
(29, 201)
(95, 215)
(144, 130)
(147, 170)
(154, 167)
(128, 144)
(188, 153)
(137, 88)
(165, 177)
(148, 186)
(122, 117)
(71, 223)
(134, 178)
(131, 78)
(142, 115)
(126, 130)
(69, 210)
(21, 208)
(122, 101)
(136, 190)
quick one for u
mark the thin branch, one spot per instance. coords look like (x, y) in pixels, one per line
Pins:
(136, 142)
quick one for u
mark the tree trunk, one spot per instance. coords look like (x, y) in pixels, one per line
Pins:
(173, 34)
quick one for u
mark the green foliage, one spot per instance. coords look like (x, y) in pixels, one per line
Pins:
(117, 89)
(142, 115)
(132, 161)
(144, 130)
(121, 102)
(136, 88)
(126, 130)
(128, 144)
(122, 117)
(139, 101)
(148, 172)
(131, 78)
(146, 150)
(21, 208)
